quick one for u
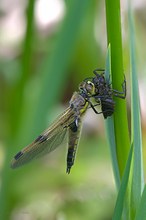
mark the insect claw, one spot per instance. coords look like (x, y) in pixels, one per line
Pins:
(68, 170)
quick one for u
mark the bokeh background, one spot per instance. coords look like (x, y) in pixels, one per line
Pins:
(47, 47)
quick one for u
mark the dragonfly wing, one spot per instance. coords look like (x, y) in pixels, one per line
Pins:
(38, 150)
(48, 141)
(74, 131)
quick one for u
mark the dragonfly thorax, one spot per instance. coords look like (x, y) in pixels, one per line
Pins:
(78, 102)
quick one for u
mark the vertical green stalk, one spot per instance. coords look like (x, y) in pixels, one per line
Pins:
(122, 190)
(109, 124)
(16, 112)
(141, 211)
(24, 71)
(120, 116)
(137, 172)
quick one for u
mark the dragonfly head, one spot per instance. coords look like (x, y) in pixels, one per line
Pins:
(87, 87)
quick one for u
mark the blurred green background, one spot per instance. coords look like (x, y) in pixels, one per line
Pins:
(47, 47)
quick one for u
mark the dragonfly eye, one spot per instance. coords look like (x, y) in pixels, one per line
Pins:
(90, 88)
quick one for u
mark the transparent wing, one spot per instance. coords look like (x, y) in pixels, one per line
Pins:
(49, 140)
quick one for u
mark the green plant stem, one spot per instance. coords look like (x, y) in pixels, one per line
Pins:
(16, 113)
(120, 115)
(24, 71)
(137, 172)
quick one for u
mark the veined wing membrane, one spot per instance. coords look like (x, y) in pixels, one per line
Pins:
(48, 141)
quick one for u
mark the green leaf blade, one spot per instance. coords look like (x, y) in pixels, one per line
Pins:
(122, 191)
(137, 175)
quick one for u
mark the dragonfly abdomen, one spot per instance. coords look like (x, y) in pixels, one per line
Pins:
(74, 133)
(71, 157)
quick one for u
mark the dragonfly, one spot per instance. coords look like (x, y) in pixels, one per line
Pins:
(96, 89)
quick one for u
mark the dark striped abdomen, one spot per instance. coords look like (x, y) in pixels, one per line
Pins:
(74, 132)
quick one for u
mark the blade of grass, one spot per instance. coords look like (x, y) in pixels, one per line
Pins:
(109, 125)
(122, 191)
(114, 39)
(137, 178)
(141, 212)
(16, 105)
(25, 71)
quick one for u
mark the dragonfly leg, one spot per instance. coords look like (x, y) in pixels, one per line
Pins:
(98, 70)
(93, 107)
(122, 94)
